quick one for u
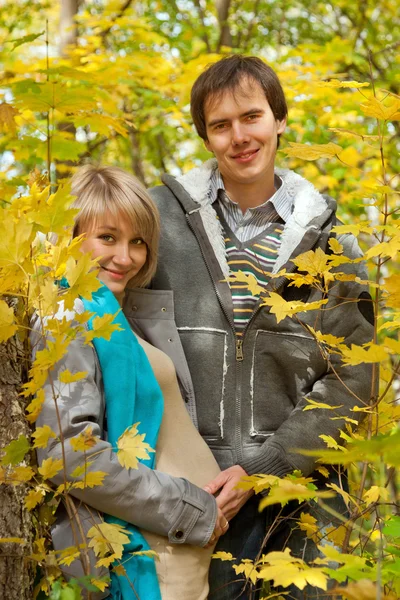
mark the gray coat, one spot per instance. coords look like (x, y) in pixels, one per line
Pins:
(249, 397)
(154, 501)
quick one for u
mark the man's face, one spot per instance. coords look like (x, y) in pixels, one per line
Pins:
(242, 134)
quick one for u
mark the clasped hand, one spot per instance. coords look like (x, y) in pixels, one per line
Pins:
(229, 500)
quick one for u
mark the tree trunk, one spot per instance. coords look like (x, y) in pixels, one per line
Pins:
(16, 573)
(223, 13)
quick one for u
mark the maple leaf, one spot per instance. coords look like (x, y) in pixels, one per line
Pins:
(84, 441)
(308, 523)
(8, 327)
(392, 291)
(247, 567)
(282, 309)
(223, 555)
(15, 451)
(312, 404)
(7, 118)
(250, 281)
(81, 275)
(314, 262)
(312, 152)
(331, 442)
(49, 356)
(99, 583)
(90, 480)
(34, 497)
(286, 490)
(20, 475)
(50, 467)
(132, 448)
(66, 376)
(335, 246)
(359, 354)
(68, 555)
(376, 493)
(108, 537)
(102, 327)
(42, 436)
(378, 109)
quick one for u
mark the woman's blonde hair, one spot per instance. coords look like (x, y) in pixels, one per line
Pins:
(99, 190)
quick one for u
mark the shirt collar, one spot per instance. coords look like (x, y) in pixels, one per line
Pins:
(280, 200)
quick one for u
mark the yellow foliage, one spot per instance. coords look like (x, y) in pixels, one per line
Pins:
(8, 327)
(50, 467)
(308, 523)
(106, 538)
(285, 570)
(249, 280)
(312, 152)
(102, 327)
(84, 441)
(357, 355)
(68, 377)
(374, 494)
(91, 479)
(282, 309)
(132, 448)
(42, 436)
(34, 497)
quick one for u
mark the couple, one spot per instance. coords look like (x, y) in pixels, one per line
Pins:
(243, 377)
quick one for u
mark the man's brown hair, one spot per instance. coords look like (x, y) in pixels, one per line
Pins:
(227, 75)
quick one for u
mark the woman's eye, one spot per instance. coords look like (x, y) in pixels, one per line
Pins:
(106, 238)
(138, 241)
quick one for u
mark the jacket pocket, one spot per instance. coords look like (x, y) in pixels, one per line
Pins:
(206, 354)
(284, 369)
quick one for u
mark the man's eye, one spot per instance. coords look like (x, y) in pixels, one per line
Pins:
(252, 117)
(221, 126)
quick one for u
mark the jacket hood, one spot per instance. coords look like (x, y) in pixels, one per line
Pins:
(310, 210)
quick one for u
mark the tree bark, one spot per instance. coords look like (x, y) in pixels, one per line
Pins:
(223, 13)
(68, 31)
(16, 572)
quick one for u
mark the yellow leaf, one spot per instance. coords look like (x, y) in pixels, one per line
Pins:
(99, 583)
(47, 301)
(118, 569)
(106, 561)
(388, 111)
(324, 471)
(49, 356)
(102, 327)
(132, 448)
(312, 152)
(336, 535)
(335, 83)
(308, 523)
(34, 408)
(84, 441)
(358, 354)
(249, 280)
(68, 555)
(374, 494)
(328, 339)
(81, 275)
(20, 475)
(335, 246)
(350, 157)
(108, 537)
(50, 467)
(286, 490)
(348, 499)
(282, 309)
(392, 289)
(330, 442)
(7, 117)
(313, 404)
(34, 497)
(314, 262)
(90, 480)
(7, 323)
(223, 556)
(68, 377)
(248, 569)
(42, 436)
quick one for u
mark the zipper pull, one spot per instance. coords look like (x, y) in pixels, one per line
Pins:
(239, 349)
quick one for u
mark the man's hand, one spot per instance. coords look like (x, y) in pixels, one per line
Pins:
(230, 500)
(221, 527)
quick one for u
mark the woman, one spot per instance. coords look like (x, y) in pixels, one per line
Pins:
(121, 227)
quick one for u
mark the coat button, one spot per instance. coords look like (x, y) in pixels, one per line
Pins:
(178, 534)
(134, 307)
(163, 309)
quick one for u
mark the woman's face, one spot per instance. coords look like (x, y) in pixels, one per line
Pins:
(121, 250)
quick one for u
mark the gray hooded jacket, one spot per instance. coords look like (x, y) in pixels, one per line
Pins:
(249, 396)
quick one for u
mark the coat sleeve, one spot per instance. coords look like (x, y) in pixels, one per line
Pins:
(154, 501)
(350, 315)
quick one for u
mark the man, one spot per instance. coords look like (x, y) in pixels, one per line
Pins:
(252, 375)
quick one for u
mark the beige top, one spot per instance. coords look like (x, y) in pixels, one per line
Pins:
(182, 569)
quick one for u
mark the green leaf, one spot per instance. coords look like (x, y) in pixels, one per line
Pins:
(24, 40)
(392, 528)
(15, 452)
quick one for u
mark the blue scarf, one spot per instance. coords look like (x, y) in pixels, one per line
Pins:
(132, 395)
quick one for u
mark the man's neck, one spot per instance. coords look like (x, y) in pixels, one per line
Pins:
(248, 195)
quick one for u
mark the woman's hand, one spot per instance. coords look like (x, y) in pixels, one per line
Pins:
(221, 527)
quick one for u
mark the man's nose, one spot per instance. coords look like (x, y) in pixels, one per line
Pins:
(239, 134)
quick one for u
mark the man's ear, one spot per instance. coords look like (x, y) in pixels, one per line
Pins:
(281, 125)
